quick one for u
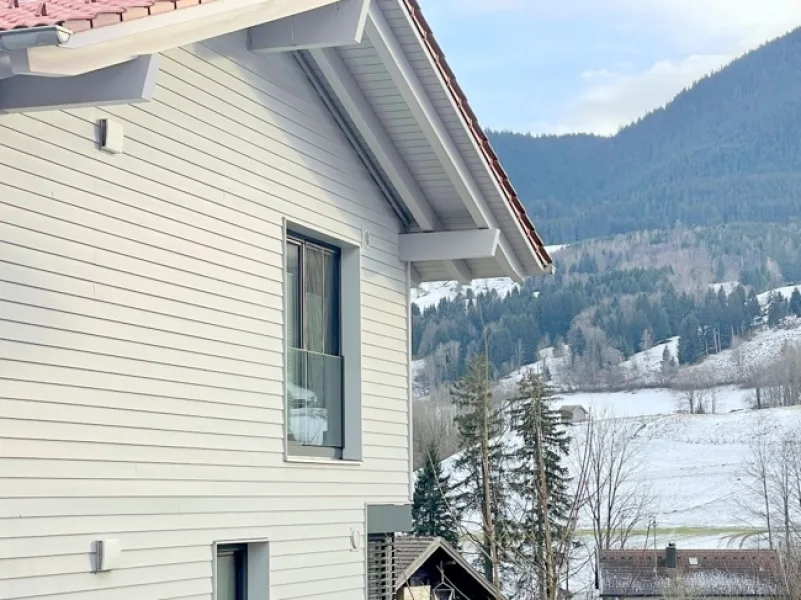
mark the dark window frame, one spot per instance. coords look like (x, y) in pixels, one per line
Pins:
(301, 241)
(240, 554)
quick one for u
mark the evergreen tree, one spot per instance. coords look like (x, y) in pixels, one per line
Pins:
(795, 303)
(668, 363)
(753, 309)
(720, 270)
(690, 342)
(432, 510)
(778, 309)
(483, 462)
(540, 480)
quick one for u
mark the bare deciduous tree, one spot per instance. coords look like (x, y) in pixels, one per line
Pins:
(618, 500)
(756, 501)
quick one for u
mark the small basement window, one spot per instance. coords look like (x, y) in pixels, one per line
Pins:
(242, 571)
(232, 578)
(693, 561)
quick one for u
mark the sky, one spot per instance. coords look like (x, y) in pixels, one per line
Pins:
(568, 66)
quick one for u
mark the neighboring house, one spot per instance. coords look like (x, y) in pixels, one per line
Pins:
(689, 573)
(428, 568)
(211, 216)
(574, 413)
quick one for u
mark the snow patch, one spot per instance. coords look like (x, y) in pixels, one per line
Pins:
(785, 291)
(430, 294)
(727, 286)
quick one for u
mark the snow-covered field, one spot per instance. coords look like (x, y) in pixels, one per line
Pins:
(693, 463)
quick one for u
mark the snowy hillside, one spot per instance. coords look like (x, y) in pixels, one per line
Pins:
(550, 363)
(646, 367)
(786, 292)
(694, 465)
(429, 294)
(759, 352)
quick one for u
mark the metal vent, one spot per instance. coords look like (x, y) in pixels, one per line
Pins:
(380, 566)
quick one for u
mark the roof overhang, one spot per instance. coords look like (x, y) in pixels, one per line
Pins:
(102, 47)
(379, 65)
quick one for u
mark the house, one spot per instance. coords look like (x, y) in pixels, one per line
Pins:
(430, 568)
(691, 573)
(211, 217)
(574, 413)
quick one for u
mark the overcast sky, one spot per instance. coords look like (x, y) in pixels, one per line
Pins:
(558, 66)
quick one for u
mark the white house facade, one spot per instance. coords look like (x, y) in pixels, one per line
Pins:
(211, 216)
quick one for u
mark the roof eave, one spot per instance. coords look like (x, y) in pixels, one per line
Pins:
(493, 162)
(101, 47)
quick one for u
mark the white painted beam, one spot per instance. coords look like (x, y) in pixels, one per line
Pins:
(448, 245)
(459, 271)
(130, 82)
(340, 24)
(415, 96)
(386, 154)
(5, 65)
(414, 276)
(512, 268)
(364, 118)
(106, 46)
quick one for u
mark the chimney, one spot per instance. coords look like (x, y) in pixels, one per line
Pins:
(671, 559)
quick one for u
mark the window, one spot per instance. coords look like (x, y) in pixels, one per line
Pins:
(315, 375)
(242, 570)
(232, 572)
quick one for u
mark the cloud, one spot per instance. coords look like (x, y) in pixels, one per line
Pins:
(614, 99)
(594, 65)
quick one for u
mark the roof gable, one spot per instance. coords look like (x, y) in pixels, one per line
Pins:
(479, 229)
(412, 553)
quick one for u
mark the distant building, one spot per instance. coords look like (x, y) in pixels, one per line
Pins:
(574, 413)
(428, 568)
(697, 574)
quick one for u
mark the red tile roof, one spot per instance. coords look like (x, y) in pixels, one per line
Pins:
(80, 15)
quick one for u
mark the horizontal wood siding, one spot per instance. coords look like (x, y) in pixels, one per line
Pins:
(141, 337)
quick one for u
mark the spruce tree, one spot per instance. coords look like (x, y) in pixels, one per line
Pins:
(795, 303)
(668, 364)
(432, 510)
(778, 309)
(540, 480)
(690, 342)
(482, 461)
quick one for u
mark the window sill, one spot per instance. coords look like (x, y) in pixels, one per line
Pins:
(320, 460)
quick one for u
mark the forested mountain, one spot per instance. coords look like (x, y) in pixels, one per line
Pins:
(726, 150)
(613, 297)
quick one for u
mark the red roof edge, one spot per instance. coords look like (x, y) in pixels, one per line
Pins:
(424, 29)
